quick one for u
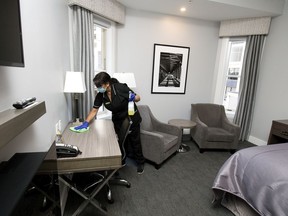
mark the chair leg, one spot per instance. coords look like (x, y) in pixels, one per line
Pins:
(120, 181)
(109, 194)
(117, 180)
(157, 166)
(99, 177)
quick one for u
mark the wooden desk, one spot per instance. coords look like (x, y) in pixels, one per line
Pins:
(99, 147)
(278, 132)
(100, 151)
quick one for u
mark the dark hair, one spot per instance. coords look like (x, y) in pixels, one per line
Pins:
(103, 78)
(113, 80)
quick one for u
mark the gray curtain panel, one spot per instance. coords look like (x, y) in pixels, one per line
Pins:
(83, 54)
(248, 85)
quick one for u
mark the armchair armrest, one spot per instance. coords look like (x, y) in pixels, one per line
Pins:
(200, 123)
(231, 127)
(166, 128)
(201, 129)
(150, 133)
(169, 129)
(150, 139)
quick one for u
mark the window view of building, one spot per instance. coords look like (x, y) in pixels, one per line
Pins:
(104, 51)
(99, 52)
(99, 48)
(235, 54)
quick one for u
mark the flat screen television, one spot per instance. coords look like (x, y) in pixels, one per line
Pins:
(11, 47)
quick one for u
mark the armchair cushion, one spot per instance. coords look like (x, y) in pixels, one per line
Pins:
(219, 135)
(159, 140)
(213, 129)
(168, 140)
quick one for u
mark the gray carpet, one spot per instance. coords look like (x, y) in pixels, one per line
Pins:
(182, 187)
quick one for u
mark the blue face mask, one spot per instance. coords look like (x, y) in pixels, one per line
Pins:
(101, 90)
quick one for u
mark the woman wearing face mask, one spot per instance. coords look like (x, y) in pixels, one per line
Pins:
(115, 97)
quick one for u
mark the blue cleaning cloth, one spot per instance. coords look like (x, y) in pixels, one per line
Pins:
(79, 131)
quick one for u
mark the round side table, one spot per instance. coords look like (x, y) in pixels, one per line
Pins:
(182, 123)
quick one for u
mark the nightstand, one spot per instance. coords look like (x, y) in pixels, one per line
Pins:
(278, 132)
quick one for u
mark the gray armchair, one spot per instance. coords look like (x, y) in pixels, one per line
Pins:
(159, 140)
(213, 129)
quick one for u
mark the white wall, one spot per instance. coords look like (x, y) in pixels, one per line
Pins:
(271, 99)
(135, 54)
(136, 41)
(46, 55)
(46, 52)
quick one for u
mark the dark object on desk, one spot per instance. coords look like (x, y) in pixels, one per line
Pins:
(66, 150)
(278, 132)
(24, 103)
(213, 129)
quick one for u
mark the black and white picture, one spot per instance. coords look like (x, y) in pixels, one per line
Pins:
(170, 65)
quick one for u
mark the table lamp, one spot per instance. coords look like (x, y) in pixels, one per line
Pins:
(74, 83)
(127, 78)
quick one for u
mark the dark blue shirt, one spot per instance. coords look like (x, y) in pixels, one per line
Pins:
(119, 102)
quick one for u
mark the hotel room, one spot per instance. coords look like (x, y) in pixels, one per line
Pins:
(46, 36)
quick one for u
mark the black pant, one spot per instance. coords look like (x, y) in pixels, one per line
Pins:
(132, 144)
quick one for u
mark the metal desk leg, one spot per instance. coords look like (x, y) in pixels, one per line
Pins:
(89, 198)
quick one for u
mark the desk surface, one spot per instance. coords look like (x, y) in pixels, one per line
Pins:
(99, 147)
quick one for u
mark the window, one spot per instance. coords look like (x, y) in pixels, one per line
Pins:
(229, 73)
(99, 48)
(104, 45)
(104, 42)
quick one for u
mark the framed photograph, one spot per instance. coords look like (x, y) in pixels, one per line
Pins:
(170, 67)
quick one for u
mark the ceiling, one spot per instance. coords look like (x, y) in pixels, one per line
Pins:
(214, 10)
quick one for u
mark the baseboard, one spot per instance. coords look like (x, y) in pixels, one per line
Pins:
(257, 141)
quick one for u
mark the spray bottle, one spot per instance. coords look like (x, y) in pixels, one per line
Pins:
(131, 109)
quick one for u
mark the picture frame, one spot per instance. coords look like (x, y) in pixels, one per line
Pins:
(170, 68)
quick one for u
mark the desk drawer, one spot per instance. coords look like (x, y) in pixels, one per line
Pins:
(280, 130)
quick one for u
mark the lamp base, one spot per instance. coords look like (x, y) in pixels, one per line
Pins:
(77, 122)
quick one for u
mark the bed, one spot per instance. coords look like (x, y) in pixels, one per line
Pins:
(254, 181)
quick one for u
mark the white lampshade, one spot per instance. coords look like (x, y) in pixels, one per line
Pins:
(127, 78)
(74, 82)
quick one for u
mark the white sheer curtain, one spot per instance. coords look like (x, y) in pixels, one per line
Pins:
(83, 54)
